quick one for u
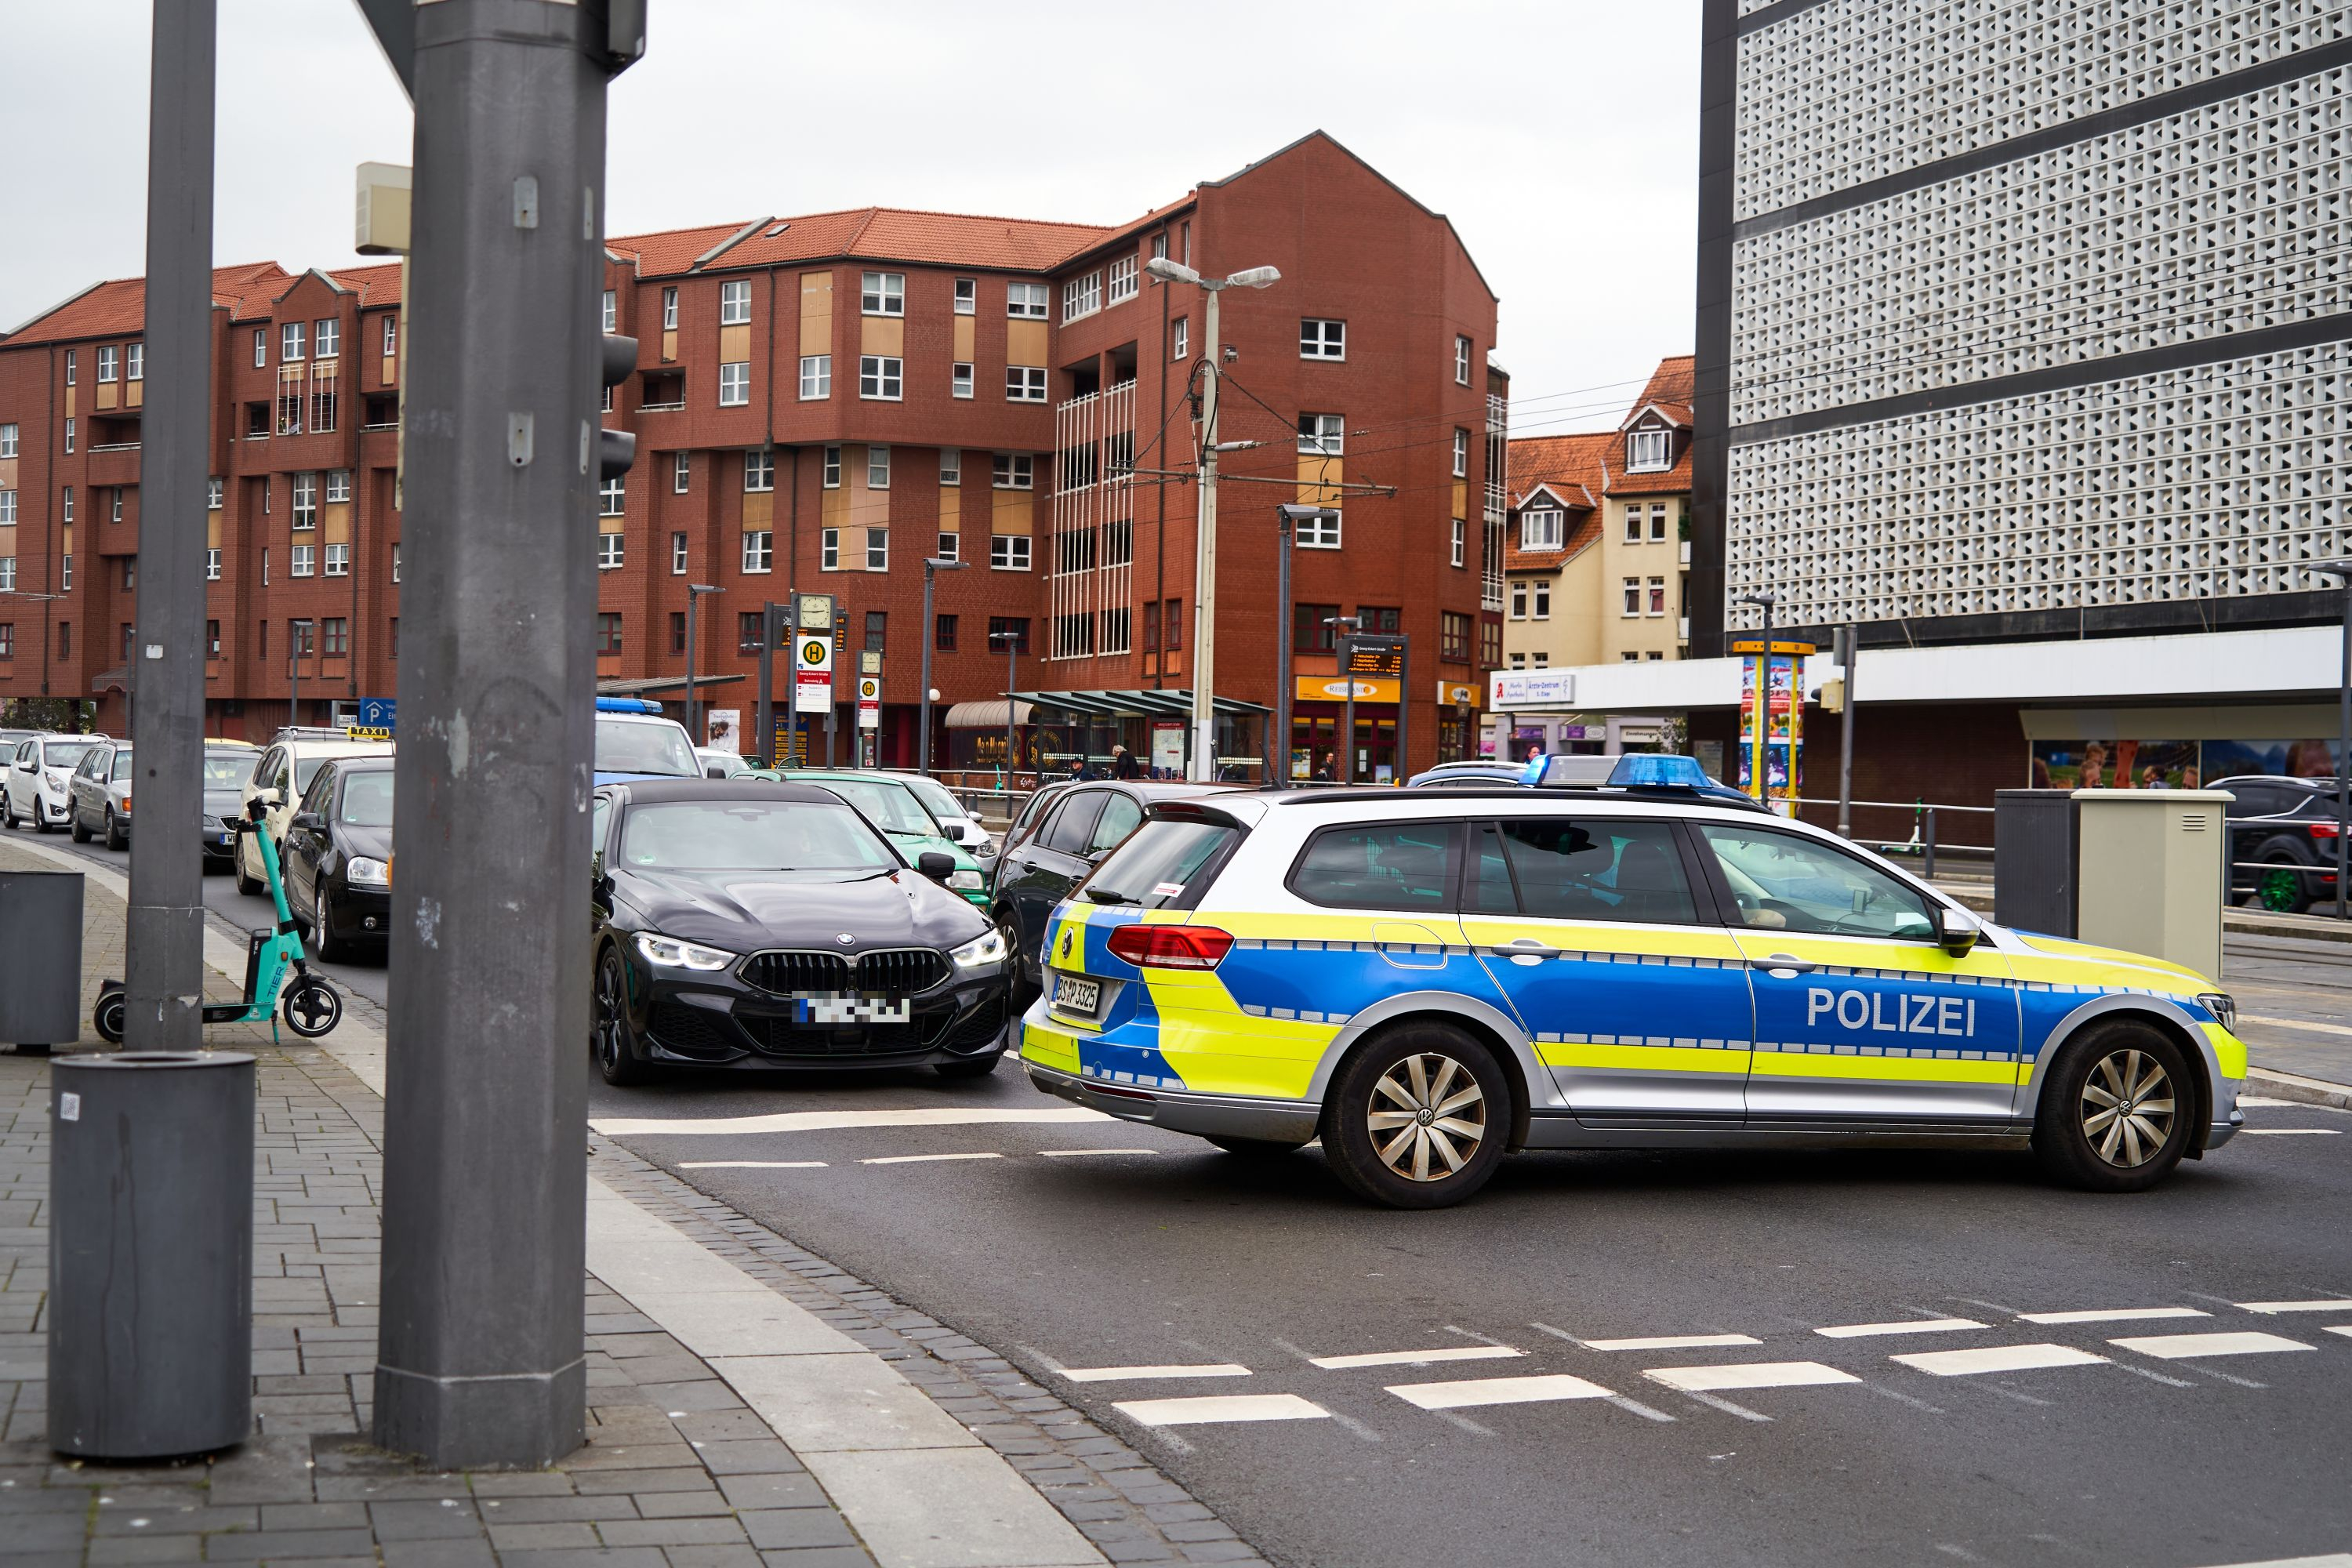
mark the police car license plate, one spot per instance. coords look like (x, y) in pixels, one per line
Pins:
(852, 1009)
(1072, 995)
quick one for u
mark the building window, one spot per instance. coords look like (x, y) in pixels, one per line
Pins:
(610, 552)
(681, 471)
(213, 489)
(817, 376)
(1025, 300)
(1541, 530)
(960, 380)
(1015, 471)
(7, 574)
(734, 384)
(306, 500)
(9, 442)
(877, 628)
(1658, 523)
(1633, 595)
(878, 467)
(106, 353)
(608, 400)
(1008, 631)
(1542, 659)
(1655, 656)
(883, 294)
(7, 510)
(678, 554)
(338, 485)
(1454, 636)
(334, 637)
(1320, 434)
(944, 633)
(1462, 360)
(951, 546)
(1180, 342)
(1518, 600)
(1025, 384)
(1657, 595)
(967, 296)
(1008, 553)
(608, 632)
(1629, 657)
(265, 566)
(391, 339)
(612, 312)
(261, 347)
(212, 564)
(1122, 280)
(1543, 601)
(758, 552)
(69, 504)
(114, 504)
(1490, 644)
(748, 626)
(1319, 532)
(677, 631)
(881, 377)
(1633, 524)
(669, 310)
(326, 342)
(129, 573)
(1311, 628)
(1118, 629)
(395, 561)
(877, 549)
(7, 639)
(1646, 451)
(828, 550)
(832, 468)
(1171, 625)
(306, 558)
(135, 361)
(69, 436)
(212, 639)
(614, 497)
(1320, 339)
(1081, 296)
(735, 302)
(1461, 454)
(1461, 542)
(760, 470)
(338, 560)
(289, 340)
(65, 632)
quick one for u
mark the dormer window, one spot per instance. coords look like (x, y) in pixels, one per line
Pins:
(1541, 530)
(1649, 451)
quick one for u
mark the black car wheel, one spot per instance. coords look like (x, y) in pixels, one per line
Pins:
(117, 837)
(2115, 1115)
(74, 829)
(323, 940)
(615, 1041)
(1023, 990)
(251, 887)
(2278, 887)
(1417, 1118)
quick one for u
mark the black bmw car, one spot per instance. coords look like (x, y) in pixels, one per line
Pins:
(749, 923)
(337, 857)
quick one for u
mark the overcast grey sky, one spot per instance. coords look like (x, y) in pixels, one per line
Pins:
(1560, 135)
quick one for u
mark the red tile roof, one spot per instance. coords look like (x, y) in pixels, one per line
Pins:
(881, 233)
(377, 285)
(119, 306)
(1668, 393)
(1572, 467)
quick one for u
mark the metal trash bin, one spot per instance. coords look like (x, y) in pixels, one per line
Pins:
(2036, 858)
(40, 959)
(151, 1253)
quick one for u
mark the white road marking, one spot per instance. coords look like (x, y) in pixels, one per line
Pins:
(1907, 1326)
(1726, 1405)
(927, 1158)
(2114, 1315)
(2267, 1103)
(1120, 1374)
(1074, 1153)
(830, 1121)
(1672, 1342)
(2337, 1305)
(752, 1165)
(1414, 1358)
(2333, 1559)
(2338, 1328)
(2189, 1347)
(1755, 1374)
(2314, 1026)
(1997, 1358)
(1638, 1409)
(1476, 1391)
(1221, 1407)
(2292, 1131)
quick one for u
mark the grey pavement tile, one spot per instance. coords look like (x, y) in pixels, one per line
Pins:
(678, 1505)
(474, 1554)
(749, 1458)
(772, 1492)
(796, 1527)
(819, 1557)
(556, 1509)
(281, 1545)
(712, 1557)
(314, 1516)
(722, 1531)
(520, 1484)
(587, 1557)
(673, 1479)
(135, 1552)
(543, 1536)
(418, 1520)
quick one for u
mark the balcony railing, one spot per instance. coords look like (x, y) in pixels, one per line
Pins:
(662, 408)
(115, 446)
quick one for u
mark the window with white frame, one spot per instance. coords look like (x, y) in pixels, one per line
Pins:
(877, 549)
(1322, 339)
(681, 473)
(760, 551)
(1657, 596)
(395, 561)
(678, 554)
(115, 514)
(1543, 600)
(69, 435)
(338, 485)
(7, 509)
(214, 492)
(1545, 530)
(951, 546)
(950, 465)
(878, 467)
(609, 551)
(1122, 284)
(828, 550)
(338, 560)
(1633, 523)
(613, 499)
(967, 296)
(1461, 454)
(1462, 360)
(1461, 542)
(306, 502)
(1518, 600)
(106, 363)
(881, 378)
(608, 400)
(391, 338)
(832, 468)
(760, 471)
(1542, 659)
(1319, 532)
(1025, 300)
(1179, 338)
(1658, 521)
(735, 302)
(212, 564)
(1025, 384)
(612, 312)
(326, 341)
(1015, 471)
(882, 294)
(135, 361)
(1633, 598)
(1518, 662)
(960, 380)
(7, 440)
(669, 310)
(306, 557)
(817, 376)
(1321, 435)
(1081, 296)
(734, 384)
(261, 346)
(1008, 553)
(1646, 451)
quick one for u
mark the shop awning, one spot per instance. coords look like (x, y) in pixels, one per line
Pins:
(988, 715)
(115, 679)
(1172, 703)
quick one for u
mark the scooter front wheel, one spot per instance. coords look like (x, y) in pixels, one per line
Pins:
(311, 1007)
(108, 1017)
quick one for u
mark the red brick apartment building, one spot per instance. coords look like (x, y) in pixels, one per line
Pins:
(821, 403)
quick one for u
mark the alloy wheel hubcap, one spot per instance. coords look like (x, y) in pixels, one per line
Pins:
(608, 1008)
(2128, 1108)
(1428, 1117)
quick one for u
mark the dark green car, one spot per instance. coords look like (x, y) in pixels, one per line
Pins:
(885, 800)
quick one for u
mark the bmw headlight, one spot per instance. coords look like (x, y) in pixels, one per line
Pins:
(2224, 1008)
(363, 872)
(671, 954)
(965, 881)
(981, 951)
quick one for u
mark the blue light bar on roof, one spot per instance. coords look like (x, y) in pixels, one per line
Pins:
(1656, 770)
(626, 705)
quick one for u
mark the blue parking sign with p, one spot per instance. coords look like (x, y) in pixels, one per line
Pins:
(377, 712)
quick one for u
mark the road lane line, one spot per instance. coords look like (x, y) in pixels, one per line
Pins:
(1998, 1358)
(2313, 1025)
(1752, 1374)
(1119, 1374)
(831, 1121)
(1904, 1398)
(1726, 1405)
(2265, 1102)
(927, 1158)
(2114, 1315)
(1638, 1409)
(2189, 1347)
(1672, 1342)
(1907, 1326)
(2153, 1376)
(2292, 1131)
(1215, 1407)
(1414, 1358)
(1074, 1153)
(2338, 1328)
(2338, 1305)
(752, 1165)
(2332, 1560)
(1475, 1392)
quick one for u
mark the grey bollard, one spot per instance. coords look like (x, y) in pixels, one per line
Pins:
(151, 1253)
(40, 959)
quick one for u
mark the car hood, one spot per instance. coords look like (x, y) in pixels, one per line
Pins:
(376, 843)
(2117, 965)
(743, 911)
(224, 803)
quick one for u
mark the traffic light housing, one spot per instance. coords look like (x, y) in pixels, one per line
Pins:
(616, 450)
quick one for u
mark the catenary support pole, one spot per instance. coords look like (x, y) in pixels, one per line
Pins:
(1845, 735)
(1283, 632)
(164, 931)
(764, 715)
(1204, 559)
(1348, 709)
(479, 1355)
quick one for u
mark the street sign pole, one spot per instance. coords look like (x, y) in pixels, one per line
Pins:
(1348, 709)
(1403, 770)
(164, 927)
(764, 717)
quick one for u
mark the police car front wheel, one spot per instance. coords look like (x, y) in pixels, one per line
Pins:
(1418, 1116)
(2116, 1113)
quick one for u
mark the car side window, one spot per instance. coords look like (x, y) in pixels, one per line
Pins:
(322, 789)
(2254, 800)
(121, 764)
(600, 811)
(1073, 821)
(1782, 882)
(1597, 869)
(1120, 816)
(1378, 865)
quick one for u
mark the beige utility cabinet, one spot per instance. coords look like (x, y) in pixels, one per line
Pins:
(2152, 873)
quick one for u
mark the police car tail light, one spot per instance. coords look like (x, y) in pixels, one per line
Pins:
(1172, 947)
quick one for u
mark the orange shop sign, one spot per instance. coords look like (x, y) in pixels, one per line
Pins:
(1334, 689)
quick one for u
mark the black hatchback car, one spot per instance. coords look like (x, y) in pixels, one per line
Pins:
(2282, 840)
(1050, 850)
(337, 857)
(751, 923)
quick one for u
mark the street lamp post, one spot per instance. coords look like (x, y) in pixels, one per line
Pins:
(1011, 641)
(2342, 572)
(1763, 748)
(694, 591)
(1341, 642)
(1287, 521)
(1204, 553)
(932, 566)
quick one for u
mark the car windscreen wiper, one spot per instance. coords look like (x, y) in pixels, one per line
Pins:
(1105, 896)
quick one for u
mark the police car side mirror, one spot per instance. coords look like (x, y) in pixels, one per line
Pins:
(1958, 931)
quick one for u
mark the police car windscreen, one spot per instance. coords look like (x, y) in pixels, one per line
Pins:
(631, 746)
(1157, 863)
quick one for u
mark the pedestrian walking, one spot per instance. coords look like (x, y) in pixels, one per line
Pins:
(1123, 765)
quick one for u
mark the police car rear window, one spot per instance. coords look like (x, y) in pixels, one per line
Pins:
(1378, 865)
(1162, 863)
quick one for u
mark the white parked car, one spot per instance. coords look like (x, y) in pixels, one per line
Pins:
(286, 769)
(36, 789)
(720, 764)
(955, 819)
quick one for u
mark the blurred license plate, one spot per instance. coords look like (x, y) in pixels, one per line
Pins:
(852, 1009)
(1072, 994)
(227, 839)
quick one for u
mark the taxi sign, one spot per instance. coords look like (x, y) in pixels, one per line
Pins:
(812, 674)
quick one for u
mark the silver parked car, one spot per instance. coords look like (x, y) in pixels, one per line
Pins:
(98, 795)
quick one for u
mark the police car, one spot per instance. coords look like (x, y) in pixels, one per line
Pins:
(1425, 980)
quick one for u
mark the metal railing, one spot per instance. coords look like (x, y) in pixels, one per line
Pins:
(1924, 840)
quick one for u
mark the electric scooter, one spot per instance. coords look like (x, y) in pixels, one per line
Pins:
(309, 1005)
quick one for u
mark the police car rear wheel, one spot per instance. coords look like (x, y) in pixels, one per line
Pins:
(1418, 1117)
(2115, 1115)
